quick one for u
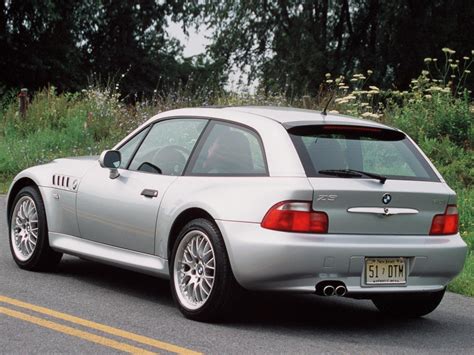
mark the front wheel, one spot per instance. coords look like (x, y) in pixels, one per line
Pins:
(202, 282)
(29, 242)
(409, 305)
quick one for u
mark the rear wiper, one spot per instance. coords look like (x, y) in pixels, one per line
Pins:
(353, 173)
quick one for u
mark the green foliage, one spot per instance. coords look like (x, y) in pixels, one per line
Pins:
(290, 45)
(63, 43)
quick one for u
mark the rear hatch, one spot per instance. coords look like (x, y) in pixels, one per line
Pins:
(370, 180)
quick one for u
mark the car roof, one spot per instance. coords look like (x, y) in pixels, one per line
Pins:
(287, 116)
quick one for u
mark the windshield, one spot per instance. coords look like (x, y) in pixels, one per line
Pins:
(365, 149)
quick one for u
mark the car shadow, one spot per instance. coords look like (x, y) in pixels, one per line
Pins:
(335, 318)
(128, 282)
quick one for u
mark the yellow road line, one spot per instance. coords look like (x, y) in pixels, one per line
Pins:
(102, 327)
(75, 332)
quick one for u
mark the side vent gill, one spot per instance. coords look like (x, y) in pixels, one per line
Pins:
(63, 181)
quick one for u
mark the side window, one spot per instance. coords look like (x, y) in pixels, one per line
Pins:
(128, 148)
(167, 146)
(230, 150)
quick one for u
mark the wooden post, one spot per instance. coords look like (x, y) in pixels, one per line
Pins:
(23, 96)
(306, 101)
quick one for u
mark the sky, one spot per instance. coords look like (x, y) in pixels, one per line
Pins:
(195, 43)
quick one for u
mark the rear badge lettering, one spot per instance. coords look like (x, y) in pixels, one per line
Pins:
(326, 197)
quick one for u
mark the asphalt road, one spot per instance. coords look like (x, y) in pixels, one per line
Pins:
(134, 312)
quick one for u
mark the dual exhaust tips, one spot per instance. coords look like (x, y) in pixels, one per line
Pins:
(331, 288)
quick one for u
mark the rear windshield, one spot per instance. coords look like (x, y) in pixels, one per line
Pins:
(373, 150)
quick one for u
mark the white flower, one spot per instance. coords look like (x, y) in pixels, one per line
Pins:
(448, 50)
(427, 60)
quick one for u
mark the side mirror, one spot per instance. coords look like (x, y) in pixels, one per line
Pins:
(111, 159)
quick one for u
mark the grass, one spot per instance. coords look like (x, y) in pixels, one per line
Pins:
(86, 123)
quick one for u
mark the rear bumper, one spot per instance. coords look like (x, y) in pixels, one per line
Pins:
(263, 259)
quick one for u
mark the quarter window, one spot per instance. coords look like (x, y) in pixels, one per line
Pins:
(128, 148)
(167, 147)
(230, 150)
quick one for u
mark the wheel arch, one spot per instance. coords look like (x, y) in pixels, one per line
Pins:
(14, 189)
(183, 218)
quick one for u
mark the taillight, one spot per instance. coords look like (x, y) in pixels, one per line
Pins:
(295, 216)
(446, 223)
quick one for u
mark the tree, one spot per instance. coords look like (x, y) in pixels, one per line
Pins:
(290, 44)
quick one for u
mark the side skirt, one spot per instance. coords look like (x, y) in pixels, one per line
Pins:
(124, 258)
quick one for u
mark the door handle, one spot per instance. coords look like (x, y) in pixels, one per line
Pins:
(149, 193)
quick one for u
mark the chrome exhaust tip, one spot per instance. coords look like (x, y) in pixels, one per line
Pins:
(340, 291)
(328, 290)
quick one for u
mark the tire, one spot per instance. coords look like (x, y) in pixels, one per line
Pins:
(38, 257)
(224, 290)
(409, 305)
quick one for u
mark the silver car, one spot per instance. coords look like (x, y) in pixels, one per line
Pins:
(220, 200)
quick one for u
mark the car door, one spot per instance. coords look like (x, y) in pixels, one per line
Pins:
(122, 212)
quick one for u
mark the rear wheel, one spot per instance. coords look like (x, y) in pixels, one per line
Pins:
(202, 282)
(409, 305)
(29, 243)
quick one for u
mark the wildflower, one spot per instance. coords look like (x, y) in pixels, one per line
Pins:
(369, 72)
(334, 112)
(448, 50)
(345, 87)
(467, 71)
(425, 72)
(453, 66)
(374, 88)
(428, 96)
(465, 58)
(450, 60)
(435, 60)
(453, 76)
(427, 60)
(353, 80)
(328, 75)
(370, 115)
(329, 81)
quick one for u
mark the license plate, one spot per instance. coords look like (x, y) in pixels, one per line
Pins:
(385, 271)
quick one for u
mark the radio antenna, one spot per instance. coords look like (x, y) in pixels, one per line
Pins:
(324, 113)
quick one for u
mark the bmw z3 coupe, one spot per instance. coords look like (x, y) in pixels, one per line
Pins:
(220, 200)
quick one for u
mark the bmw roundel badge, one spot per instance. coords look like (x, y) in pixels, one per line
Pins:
(386, 198)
